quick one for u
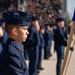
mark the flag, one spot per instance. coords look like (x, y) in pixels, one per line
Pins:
(73, 19)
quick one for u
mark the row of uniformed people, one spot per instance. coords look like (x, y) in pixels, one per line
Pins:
(39, 38)
(35, 54)
(34, 44)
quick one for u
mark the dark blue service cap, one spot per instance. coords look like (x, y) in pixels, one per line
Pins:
(47, 25)
(17, 18)
(34, 18)
(42, 27)
(59, 19)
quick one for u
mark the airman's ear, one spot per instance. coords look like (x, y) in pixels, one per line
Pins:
(14, 30)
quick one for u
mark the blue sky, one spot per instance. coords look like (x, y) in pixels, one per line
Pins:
(70, 6)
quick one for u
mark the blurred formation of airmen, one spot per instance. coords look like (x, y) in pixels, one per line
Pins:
(39, 38)
(60, 41)
(1, 35)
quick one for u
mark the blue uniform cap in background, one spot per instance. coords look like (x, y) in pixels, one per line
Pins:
(42, 27)
(34, 18)
(17, 18)
(47, 25)
(59, 19)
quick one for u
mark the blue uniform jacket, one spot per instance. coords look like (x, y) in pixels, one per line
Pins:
(42, 43)
(51, 36)
(12, 61)
(33, 37)
(47, 37)
(59, 38)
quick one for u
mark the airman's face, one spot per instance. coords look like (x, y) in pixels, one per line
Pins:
(42, 31)
(36, 24)
(61, 24)
(1, 32)
(48, 27)
(22, 33)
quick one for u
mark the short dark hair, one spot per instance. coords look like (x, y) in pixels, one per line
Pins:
(8, 28)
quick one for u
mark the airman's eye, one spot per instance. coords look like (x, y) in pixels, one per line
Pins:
(25, 28)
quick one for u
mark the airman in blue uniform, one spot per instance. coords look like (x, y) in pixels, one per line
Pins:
(5, 36)
(51, 38)
(33, 43)
(47, 42)
(41, 47)
(59, 42)
(1, 35)
(12, 60)
(50, 29)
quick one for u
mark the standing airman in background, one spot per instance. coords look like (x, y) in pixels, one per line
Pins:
(41, 47)
(47, 42)
(33, 43)
(1, 35)
(59, 42)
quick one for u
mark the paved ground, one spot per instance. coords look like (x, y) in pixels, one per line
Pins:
(50, 65)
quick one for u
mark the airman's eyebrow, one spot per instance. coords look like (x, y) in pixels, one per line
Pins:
(25, 28)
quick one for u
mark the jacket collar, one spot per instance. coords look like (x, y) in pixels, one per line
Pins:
(15, 44)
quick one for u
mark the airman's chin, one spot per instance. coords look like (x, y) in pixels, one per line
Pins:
(24, 40)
